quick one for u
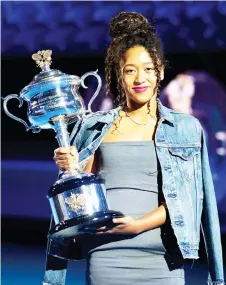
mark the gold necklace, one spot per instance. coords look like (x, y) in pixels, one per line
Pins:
(140, 124)
(137, 123)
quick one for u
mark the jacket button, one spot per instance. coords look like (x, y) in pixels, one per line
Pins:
(172, 195)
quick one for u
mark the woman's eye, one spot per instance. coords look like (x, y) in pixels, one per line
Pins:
(149, 69)
(130, 71)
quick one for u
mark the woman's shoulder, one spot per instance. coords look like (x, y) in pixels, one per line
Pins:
(185, 125)
(186, 128)
(177, 118)
(91, 123)
(184, 118)
(100, 117)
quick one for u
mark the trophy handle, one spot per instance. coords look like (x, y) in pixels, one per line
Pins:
(35, 129)
(94, 73)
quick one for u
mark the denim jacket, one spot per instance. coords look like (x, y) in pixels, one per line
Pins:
(187, 186)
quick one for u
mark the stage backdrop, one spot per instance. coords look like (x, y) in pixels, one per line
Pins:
(77, 32)
(78, 27)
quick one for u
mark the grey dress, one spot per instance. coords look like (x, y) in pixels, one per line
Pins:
(130, 173)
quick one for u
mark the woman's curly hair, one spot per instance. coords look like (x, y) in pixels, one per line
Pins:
(129, 29)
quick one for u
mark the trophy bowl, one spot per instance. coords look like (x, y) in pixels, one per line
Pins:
(77, 199)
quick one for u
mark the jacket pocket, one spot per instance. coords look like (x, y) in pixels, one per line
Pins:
(185, 163)
(185, 153)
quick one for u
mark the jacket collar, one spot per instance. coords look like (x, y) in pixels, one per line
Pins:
(109, 116)
(165, 113)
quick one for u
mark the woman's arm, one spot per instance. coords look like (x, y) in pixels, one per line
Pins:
(154, 219)
(129, 225)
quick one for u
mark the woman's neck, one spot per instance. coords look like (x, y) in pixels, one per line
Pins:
(151, 107)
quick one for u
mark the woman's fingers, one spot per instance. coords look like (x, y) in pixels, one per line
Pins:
(123, 220)
(73, 151)
(62, 150)
(101, 230)
(66, 158)
(65, 164)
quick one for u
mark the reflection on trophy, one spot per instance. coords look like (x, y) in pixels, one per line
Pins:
(77, 199)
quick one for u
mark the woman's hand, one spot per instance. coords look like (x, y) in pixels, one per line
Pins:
(125, 225)
(129, 225)
(66, 158)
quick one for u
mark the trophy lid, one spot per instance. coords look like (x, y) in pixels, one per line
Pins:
(48, 78)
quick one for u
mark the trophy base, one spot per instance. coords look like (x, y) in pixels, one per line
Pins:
(84, 224)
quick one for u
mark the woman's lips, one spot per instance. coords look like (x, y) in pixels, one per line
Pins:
(140, 89)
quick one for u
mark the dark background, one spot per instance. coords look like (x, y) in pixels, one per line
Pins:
(194, 38)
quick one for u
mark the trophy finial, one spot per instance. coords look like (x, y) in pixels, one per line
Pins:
(43, 59)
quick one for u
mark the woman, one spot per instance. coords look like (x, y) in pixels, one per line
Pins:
(154, 163)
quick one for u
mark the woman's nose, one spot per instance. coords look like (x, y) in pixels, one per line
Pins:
(139, 78)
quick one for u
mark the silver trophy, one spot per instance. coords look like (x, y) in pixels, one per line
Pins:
(77, 199)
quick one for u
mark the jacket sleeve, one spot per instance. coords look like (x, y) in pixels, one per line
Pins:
(55, 271)
(55, 268)
(210, 222)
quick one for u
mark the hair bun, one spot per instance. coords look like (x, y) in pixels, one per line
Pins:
(125, 23)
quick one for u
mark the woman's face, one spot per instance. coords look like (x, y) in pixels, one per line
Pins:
(138, 75)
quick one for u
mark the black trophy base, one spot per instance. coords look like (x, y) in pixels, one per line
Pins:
(84, 225)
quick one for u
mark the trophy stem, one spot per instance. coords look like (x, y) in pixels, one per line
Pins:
(62, 136)
(60, 127)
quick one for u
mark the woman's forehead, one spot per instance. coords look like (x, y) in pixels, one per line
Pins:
(136, 55)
